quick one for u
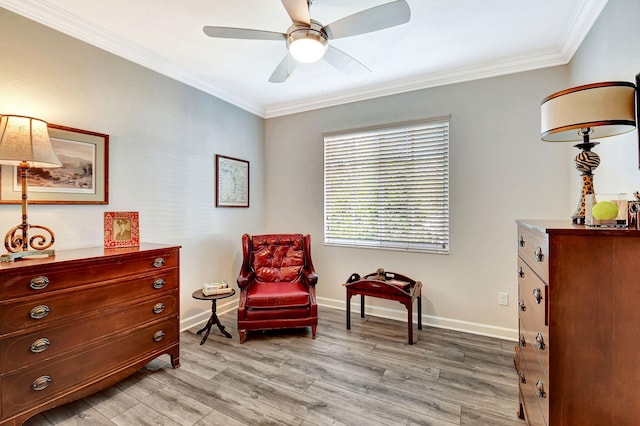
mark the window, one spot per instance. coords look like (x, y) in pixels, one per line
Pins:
(388, 188)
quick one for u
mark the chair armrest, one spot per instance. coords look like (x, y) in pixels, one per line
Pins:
(245, 278)
(310, 277)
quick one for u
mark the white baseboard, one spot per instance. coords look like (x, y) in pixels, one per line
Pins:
(377, 311)
(199, 320)
(428, 320)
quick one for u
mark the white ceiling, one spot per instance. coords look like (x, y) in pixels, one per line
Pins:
(446, 41)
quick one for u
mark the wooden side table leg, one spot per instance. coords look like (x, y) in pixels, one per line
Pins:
(206, 328)
(216, 320)
(348, 310)
(420, 312)
(410, 321)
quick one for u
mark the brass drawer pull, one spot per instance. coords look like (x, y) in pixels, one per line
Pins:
(38, 283)
(39, 312)
(522, 306)
(41, 383)
(537, 294)
(158, 308)
(158, 335)
(158, 262)
(540, 341)
(540, 389)
(521, 241)
(539, 255)
(40, 345)
(158, 284)
(521, 341)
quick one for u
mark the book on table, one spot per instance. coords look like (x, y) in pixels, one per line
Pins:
(215, 288)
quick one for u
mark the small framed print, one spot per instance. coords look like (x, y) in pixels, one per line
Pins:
(121, 229)
(232, 182)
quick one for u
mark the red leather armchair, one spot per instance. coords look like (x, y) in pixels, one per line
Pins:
(277, 284)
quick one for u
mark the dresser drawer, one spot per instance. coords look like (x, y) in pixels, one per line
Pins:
(46, 309)
(533, 248)
(535, 338)
(533, 300)
(20, 389)
(29, 349)
(20, 282)
(536, 406)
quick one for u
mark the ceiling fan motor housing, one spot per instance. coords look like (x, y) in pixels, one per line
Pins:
(307, 43)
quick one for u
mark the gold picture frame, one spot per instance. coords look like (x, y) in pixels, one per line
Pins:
(83, 178)
(121, 229)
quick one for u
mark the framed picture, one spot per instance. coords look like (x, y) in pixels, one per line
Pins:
(82, 179)
(638, 114)
(232, 182)
(121, 229)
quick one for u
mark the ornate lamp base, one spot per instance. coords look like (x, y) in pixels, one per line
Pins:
(19, 244)
(586, 162)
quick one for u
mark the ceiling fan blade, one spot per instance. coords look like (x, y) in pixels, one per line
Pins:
(242, 33)
(298, 10)
(284, 69)
(374, 19)
(343, 62)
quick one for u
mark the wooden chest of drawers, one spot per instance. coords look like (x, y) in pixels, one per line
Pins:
(76, 323)
(578, 357)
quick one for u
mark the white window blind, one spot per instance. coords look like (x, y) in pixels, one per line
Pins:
(388, 188)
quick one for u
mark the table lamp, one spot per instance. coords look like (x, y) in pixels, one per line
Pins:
(24, 143)
(583, 113)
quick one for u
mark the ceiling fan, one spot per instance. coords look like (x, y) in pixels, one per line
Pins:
(308, 40)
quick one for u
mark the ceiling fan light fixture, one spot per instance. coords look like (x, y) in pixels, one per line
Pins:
(307, 44)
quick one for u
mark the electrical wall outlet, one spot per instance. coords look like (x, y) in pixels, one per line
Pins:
(503, 299)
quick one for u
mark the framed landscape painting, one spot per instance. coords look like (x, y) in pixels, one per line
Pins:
(82, 179)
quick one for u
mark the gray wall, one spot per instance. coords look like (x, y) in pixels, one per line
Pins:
(500, 171)
(611, 52)
(164, 137)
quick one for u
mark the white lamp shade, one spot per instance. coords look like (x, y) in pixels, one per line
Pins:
(607, 109)
(26, 139)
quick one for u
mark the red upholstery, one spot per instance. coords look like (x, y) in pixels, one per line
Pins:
(277, 284)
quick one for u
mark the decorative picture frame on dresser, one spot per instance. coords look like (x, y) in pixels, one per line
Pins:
(121, 229)
(82, 179)
(232, 182)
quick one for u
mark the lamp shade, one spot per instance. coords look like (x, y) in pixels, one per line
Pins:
(26, 139)
(606, 109)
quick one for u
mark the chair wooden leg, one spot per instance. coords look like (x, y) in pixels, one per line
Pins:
(313, 331)
(242, 334)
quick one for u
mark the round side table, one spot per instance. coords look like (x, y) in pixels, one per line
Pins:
(214, 317)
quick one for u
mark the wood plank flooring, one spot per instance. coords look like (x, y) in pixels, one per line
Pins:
(368, 375)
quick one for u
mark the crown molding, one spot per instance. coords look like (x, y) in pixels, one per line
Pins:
(49, 15)
(460, 75)
(580, 26)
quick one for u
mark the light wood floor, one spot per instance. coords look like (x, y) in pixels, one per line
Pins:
(365, 376)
